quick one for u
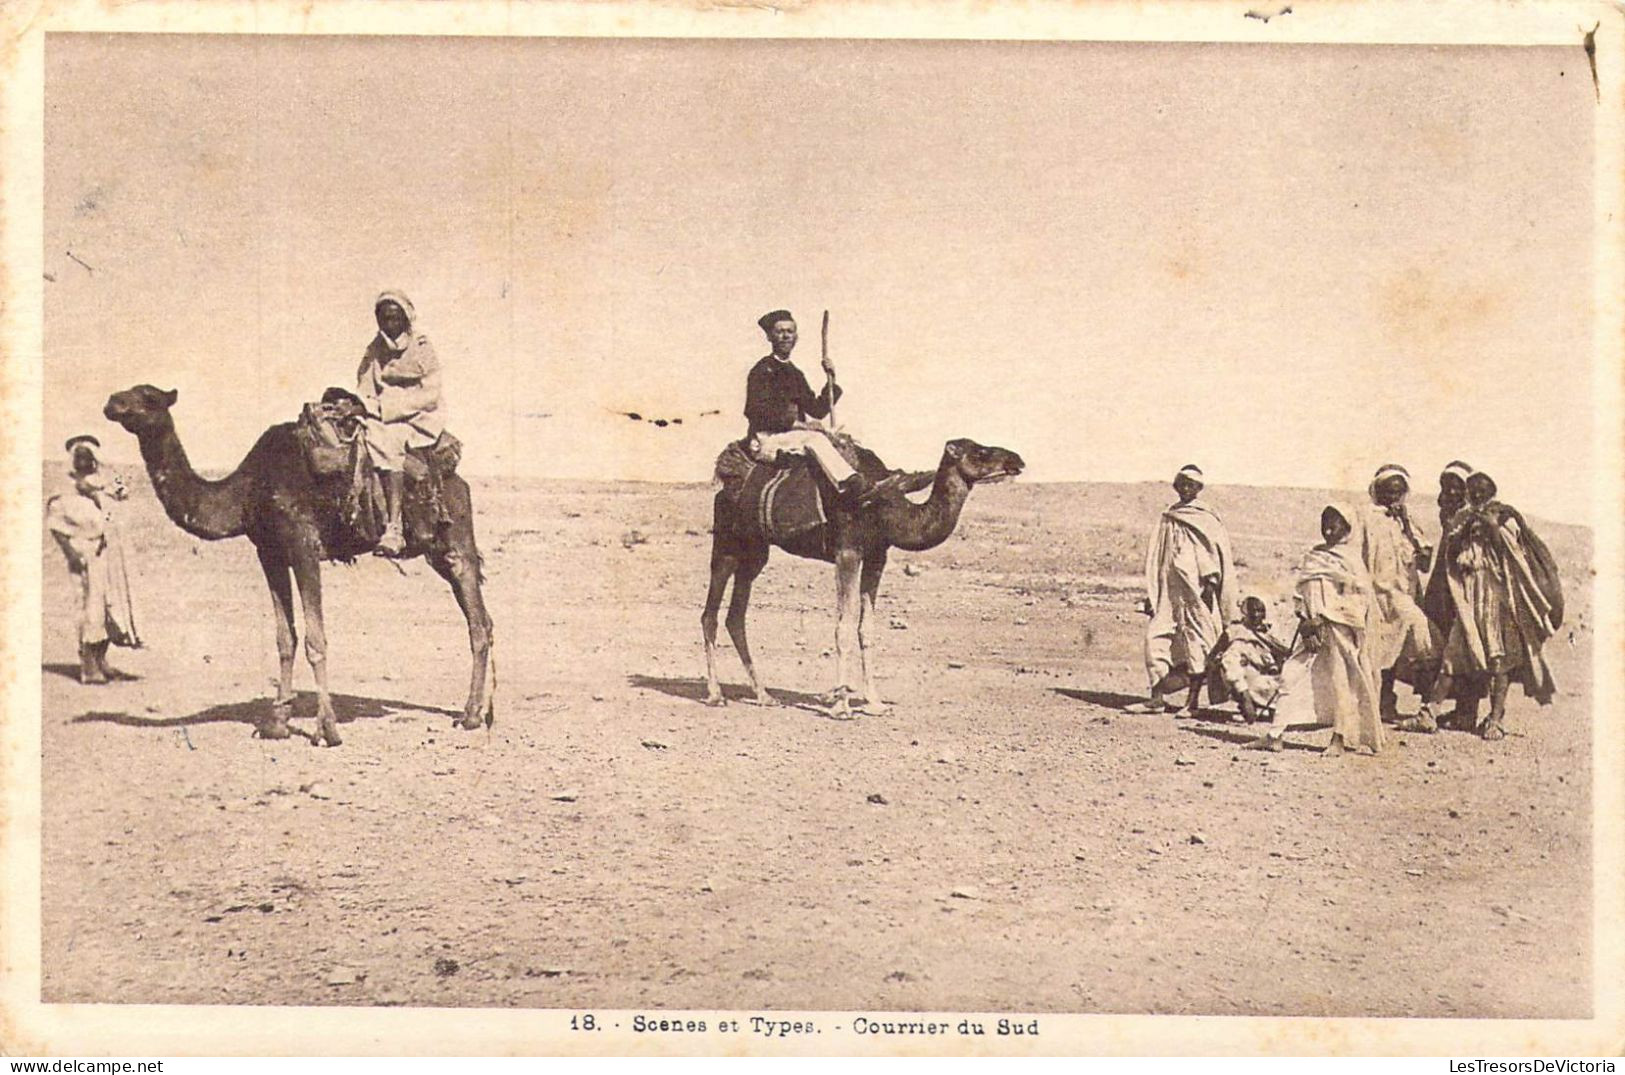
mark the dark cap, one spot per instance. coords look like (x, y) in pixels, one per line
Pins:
(83, 438)
(768, 320)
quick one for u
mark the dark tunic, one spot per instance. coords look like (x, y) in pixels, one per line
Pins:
(1436, 601)
(777, 396)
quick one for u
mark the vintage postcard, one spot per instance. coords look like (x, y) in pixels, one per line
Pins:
(812, 528)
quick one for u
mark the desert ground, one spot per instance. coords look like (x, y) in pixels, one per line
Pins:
(1007, 839)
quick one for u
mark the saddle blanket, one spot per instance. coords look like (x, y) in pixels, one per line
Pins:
(783, 501)
(785, 498)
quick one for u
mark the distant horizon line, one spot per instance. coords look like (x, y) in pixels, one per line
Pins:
(213, 473)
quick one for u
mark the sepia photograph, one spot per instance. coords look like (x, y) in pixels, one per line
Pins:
(937, 535)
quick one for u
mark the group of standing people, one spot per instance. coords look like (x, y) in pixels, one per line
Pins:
(1375, 606)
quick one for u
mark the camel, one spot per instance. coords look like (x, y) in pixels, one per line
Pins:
(291, 519)
(856, 541)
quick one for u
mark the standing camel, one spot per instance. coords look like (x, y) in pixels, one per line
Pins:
(856, 541)
(292, 517)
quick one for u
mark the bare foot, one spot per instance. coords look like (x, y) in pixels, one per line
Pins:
(1334, 748)
(276, 726)
(327, 728)
(391, 544)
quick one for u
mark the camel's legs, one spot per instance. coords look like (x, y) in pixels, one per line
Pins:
(869, 586)
(463, 572)
(287, 641)
(722, 569)
(744, 578)
(848, 610)
(307, 571)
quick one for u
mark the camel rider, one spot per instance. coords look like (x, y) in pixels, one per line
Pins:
(779, 404)
(399, 383)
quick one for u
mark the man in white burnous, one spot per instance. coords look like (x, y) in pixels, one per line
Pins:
(1190, 595)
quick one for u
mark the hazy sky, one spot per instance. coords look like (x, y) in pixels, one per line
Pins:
(1286, 263)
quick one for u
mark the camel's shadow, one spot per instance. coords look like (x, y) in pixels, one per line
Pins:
(693, 690)
(349, 707)
(71, 671)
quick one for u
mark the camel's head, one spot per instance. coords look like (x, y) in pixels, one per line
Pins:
(141, 409)
(979, 464)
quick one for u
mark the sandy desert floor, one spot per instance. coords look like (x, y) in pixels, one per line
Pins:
(1008, 839)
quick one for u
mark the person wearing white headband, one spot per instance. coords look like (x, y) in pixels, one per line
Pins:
(1452, 489)
(1509, 602)
(1189, 595)
(1399, 643)
(1468, 688)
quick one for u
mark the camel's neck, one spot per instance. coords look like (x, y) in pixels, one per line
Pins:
(925, 526)
(206, 509)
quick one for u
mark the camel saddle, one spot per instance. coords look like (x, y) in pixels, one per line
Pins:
(786, 497)
(783, 500)
(332, 435)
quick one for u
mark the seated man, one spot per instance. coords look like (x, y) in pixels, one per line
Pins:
(1250, 660)
(399, 384)
(779, 403)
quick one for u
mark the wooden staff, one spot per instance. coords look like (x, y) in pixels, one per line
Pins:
(1280, 679)
(829, 370)
(1421, 554)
